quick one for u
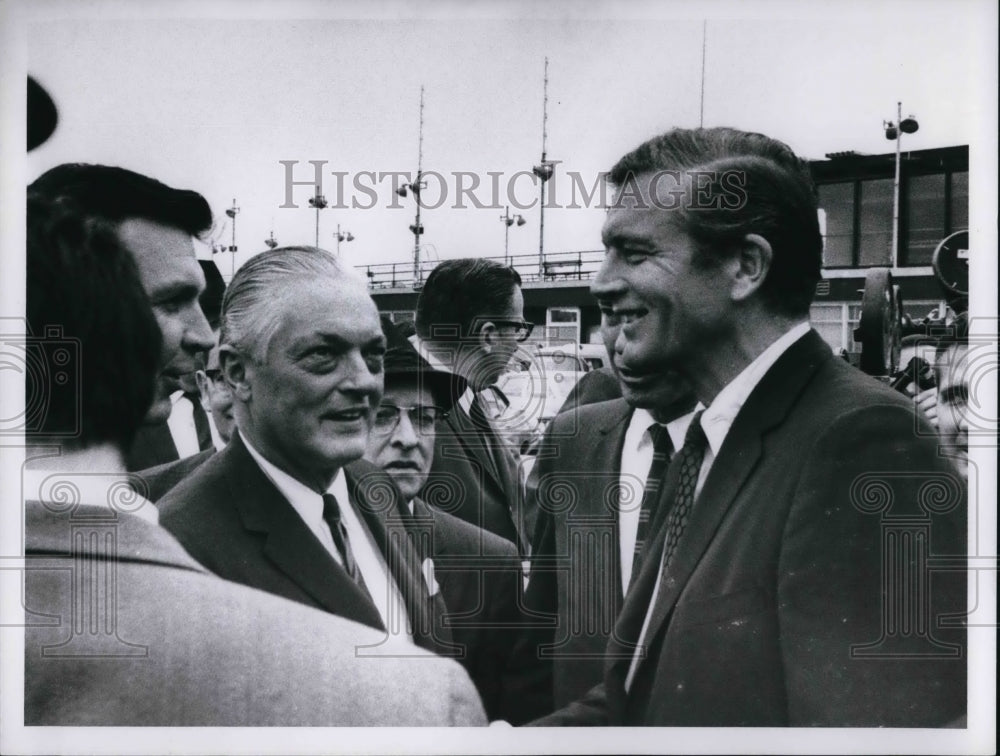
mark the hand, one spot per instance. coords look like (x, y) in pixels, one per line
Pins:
(926, 400)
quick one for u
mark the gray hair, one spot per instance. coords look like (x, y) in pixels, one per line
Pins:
(261, 285)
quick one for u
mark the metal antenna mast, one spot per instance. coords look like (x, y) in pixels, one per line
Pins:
(543, 170)
(416, 227)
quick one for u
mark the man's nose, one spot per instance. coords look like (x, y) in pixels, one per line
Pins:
(608, 284)
(198, 336)
(357, 375)
(405, 434)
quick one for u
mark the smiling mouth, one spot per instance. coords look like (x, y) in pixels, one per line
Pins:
(351, 415)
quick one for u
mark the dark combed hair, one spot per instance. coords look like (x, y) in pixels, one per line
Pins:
(94, 344)
(116, 194)
(458, 295)
(778, 201)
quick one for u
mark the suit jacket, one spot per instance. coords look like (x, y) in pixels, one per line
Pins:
(182, 647)
(153, 445)
(574, 591)
(474, 480)
(821, 578)
(480, 578)
(160, 479)
(233, 520)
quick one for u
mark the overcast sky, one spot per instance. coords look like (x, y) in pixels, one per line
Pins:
(214, 103)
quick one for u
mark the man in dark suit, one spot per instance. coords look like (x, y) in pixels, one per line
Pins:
(470, 319)
(157, 224)
(163, 642)
(288, 506)
(594, 491)
(479, 572)
(778, 590)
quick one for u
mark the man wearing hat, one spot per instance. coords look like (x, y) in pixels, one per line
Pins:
(478, 571)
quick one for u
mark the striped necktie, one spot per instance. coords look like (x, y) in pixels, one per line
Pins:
(331, 514)
(663, 448)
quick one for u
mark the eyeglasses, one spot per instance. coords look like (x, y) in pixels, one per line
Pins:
(422, 417)
(217, 378)
(523, 327)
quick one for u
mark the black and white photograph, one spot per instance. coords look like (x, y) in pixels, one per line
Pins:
(438, 377)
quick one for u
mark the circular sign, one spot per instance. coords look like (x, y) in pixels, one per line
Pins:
(951, 262)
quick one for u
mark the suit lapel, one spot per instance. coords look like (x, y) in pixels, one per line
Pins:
(766, 407)
(377, 501)
(289, 544)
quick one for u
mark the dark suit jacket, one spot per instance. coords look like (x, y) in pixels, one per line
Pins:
(181, 647)
(574, 591)
(473, 482)
(234, 521)
(160, 479)
(153, 445)
(480, 578)
(798, 595)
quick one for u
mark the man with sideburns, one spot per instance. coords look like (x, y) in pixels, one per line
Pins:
(774, 591)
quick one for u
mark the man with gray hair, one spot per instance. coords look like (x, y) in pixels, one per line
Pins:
(288, 506)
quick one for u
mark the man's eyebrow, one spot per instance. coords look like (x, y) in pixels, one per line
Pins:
(959, 391)
(176, 290)
(618, 238)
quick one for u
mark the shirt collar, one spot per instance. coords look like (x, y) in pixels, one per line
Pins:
(719, 416)
(638, 429)
(295, 490)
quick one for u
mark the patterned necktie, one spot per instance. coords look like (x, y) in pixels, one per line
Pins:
(689, 459)
(663, 447)
(200, 421)
(331, 514)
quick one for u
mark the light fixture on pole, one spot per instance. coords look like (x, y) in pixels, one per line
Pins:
(271, 242)
(509, 220)
(342, 236)
(318, 202)
(543, 170)
(232, 212)
(415, 186)
(895, 131)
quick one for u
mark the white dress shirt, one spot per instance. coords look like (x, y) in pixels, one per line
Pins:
(637, 456)
(716, 421)
(367, 556)
(181, 425)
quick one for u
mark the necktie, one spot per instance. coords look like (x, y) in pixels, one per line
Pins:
(331, 514)
(688, 463)
(690, 459)
(662, 449)
(477, 413)
(200, 420)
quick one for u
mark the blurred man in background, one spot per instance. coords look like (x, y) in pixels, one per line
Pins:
(479, 572)
(470, 319)
(951, 367)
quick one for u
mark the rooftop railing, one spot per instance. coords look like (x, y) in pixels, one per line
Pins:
(555, 266)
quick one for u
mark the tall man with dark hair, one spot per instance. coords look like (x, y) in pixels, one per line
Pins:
(157, 224)
(470, 319)
(762, 599)
(289, 506)
(161, 641)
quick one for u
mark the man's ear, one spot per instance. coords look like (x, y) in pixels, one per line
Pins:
(753, 262)
(238, 370)
(201, 378)
(487, 336)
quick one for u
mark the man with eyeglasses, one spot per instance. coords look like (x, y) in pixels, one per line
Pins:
(470, 320)
(217, 401)
(478, 571)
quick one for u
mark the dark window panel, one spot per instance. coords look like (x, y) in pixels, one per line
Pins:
(925, 217)
(876, 223)
(837, 201)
